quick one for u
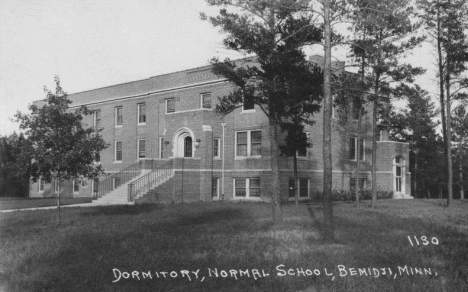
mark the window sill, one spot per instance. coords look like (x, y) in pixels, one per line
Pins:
(117, 161)
(118, 126)
(247, 198)
(141, 124)
(248, 111)
(247, 157)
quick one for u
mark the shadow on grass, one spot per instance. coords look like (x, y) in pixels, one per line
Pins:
(122, 210)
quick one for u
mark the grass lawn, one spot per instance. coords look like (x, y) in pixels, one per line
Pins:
(120, 248)
(22, 203)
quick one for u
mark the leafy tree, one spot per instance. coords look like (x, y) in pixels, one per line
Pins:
(61, 147)
(415, 125)
(15, 164)
(296, 140)
(446, 22)
(382, 35)
(283, 84)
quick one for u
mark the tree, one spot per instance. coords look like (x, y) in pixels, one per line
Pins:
(447, 23)
(415, 125)
(382, 34)
(460, 137)
(62, 148)
(296, 141)
(15, 165)
(283, 84)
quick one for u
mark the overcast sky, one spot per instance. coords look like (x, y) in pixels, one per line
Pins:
(91, 44)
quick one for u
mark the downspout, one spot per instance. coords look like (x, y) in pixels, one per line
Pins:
(222, 172)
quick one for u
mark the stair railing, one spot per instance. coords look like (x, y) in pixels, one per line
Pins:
(150, 180)
(119, 178)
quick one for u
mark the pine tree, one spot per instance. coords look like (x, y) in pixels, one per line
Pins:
(282, 84)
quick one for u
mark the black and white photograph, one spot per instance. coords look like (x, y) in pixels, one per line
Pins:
(234, 145)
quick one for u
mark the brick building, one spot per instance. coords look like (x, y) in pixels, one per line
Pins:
(168, 145)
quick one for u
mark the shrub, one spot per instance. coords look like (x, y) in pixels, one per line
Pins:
(349, 195)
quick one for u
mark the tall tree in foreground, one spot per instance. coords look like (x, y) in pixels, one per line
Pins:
(62, 148)
(382, 35)
(446, 22)
(282, 83)
(460, 138)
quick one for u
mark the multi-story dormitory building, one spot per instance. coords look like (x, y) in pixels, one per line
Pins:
(164, 133)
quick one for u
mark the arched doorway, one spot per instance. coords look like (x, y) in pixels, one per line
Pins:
(399, 175)
(183, 143)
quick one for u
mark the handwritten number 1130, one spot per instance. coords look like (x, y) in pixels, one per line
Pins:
(424, 240)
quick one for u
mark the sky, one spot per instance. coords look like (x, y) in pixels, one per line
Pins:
(91, 44)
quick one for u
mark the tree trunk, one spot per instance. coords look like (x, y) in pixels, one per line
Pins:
(358, 156)
(58, 203)
(275, 185)
(329, 233)
(296, 192)
(460, 167)
(449, 142)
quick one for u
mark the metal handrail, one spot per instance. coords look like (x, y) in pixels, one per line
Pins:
(150, 180)
(123, 176)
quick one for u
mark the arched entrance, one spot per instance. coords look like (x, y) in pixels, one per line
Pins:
(183, 143)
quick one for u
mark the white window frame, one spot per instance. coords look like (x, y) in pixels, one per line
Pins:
(252, 110)
(75, 183)
(166, 102)
(201, 100)
(249, 143)
(141, 114)
(95, 115)
(247, 189)
(363, 149)
(41, 185)
(218, 189)
(115, 152)
(161, 147)
(298, 192)
(402, 165)
(138, 149)
(217, 141)
(116, 110)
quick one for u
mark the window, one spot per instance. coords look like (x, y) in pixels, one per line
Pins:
(97, 119)
(398, 174)
(118, 116)
(353, 149)
(352, 183)
(141, 113)
(303, 186)
(205, 100)
(302, 152)
(84, 182)
(40, 183)
(248, 105)
(248, 143)
(247, 187)
(216, 152)
(141, 148)
(161, 147)
(215, 187)
(118, 151)
(97, 157)
(170, 105)
(76, 185)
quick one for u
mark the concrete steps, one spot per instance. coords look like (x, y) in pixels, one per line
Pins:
(118, 196)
